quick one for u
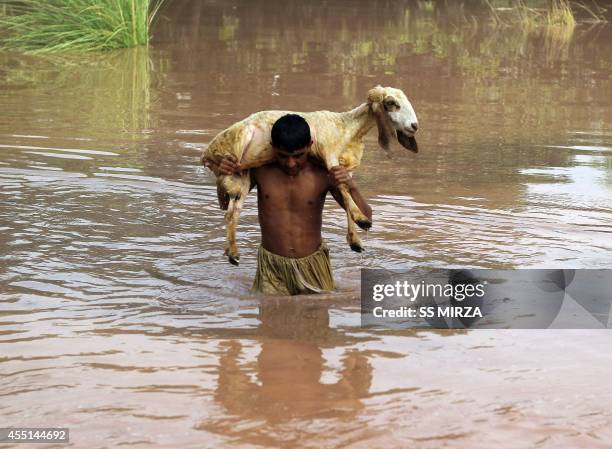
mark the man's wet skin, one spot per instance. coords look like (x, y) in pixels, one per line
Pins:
(291, 196)
(291, 208)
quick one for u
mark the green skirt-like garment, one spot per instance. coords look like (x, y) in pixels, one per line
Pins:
(278, 275)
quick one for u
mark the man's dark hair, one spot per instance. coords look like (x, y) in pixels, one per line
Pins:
(290, 132)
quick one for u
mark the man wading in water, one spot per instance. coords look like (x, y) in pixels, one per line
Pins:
(291, 191)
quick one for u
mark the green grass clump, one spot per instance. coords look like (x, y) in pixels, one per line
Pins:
(76, 25)
(559, 13)
(556, 14)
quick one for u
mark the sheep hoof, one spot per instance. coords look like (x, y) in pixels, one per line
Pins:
(364, 224)
(356, 247)
(234, 259)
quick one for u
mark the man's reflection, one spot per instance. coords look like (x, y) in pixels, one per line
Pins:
(289, 368)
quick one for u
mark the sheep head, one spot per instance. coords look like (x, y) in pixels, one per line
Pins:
(394, 116)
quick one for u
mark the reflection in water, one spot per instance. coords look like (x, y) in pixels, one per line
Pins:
(116, 298)
(289, 369)
(106, 91)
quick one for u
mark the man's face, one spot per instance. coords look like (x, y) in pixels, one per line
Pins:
(291, 162)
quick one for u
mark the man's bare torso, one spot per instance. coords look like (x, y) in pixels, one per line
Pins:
(291, 208)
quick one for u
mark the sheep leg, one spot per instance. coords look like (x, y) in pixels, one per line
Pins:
(222, 196)
(353, 210)
(351, 236)
(232, 186)
(232, 216)
(354, 213)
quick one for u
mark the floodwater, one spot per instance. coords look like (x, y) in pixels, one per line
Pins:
(121, 319)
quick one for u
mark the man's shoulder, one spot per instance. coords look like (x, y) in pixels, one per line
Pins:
(317, 171)
(317, 164)
(315, 168)
(268, 174)
(318, 177)
(310, 173)
(263, 169)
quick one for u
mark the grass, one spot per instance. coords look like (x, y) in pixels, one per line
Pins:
(76, 25)
(557, 14)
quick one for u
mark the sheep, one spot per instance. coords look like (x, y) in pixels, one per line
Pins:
(337, 140)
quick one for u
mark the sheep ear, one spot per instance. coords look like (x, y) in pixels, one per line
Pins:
(386, 132)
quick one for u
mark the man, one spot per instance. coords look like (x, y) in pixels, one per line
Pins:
(291, 191)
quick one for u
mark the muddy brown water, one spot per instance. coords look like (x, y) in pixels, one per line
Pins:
(120, 319)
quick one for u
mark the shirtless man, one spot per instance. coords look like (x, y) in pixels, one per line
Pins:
(291, 191)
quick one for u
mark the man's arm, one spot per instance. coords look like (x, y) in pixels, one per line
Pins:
(340, 175)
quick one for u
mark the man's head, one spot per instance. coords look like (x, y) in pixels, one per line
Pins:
(291, 142)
